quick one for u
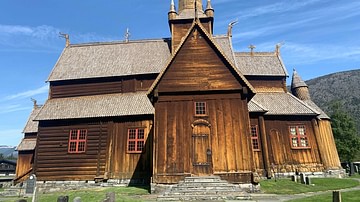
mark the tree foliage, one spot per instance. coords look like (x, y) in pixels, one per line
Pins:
(345, 133)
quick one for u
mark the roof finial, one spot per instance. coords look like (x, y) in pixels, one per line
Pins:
(66, 37)
(172, 7)
(252, 47)
(277, 48)
(230, 26)
(127, 35)
(35, 103)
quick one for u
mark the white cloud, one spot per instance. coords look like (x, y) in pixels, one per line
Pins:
(28, 94)
(12, 108)
(279, 7)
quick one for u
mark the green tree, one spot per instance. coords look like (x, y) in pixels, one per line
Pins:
(1, 156)
(345, 134)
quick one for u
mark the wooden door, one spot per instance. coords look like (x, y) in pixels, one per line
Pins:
(277, 149)
(201, 150)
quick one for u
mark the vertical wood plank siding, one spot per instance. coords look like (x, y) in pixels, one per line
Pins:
(198, 67)
(124, 165)
(24, 164)
(327, 145)
(55, 163)
(229, 135)
(280, 152)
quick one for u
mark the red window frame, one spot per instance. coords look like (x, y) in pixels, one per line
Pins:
(77, 141)
(200, 108)
(136, 140)
(254, 132)
(298, 137)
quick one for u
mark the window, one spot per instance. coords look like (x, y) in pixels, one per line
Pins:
(77, 141)
(200, 108)
(136, 140)
(255, 138)
(298, 137)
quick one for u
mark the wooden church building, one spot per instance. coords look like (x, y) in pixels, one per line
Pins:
(189, 105)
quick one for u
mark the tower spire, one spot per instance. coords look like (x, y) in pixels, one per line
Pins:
(299, 88)
(172, 12)
(209, 11)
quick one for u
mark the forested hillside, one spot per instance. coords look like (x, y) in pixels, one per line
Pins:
(343, 87)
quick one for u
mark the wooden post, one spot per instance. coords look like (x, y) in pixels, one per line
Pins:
(264, 145)
(336, 196)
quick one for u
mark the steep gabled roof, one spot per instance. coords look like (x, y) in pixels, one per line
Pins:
(108, 105)
(283, 104)
(260, 64)
(31, 125)
(111, 59)
(197, 24)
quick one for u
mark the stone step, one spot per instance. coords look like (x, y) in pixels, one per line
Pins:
(204, 197)
(205, 185)
(190, 193)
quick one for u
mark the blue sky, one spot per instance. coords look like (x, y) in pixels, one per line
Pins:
(318, 36)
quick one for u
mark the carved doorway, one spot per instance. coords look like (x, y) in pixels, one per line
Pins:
(201, 148)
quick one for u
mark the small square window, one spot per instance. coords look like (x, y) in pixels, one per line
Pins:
(136, 140)
(298, 137)
(77, 141)
(200, 108)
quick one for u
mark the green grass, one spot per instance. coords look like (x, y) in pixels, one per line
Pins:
(97, 194)
(286, 186)
(351, 196)
(130, 194)
(355, 176)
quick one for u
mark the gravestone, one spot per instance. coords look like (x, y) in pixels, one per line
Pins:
(77, 199)
(352, 169)
(294, 178)
(63, 199)
(30, 185)
(302, 178)
(308, 181)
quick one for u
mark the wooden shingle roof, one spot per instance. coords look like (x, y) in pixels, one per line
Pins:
(260, 63)
(31, 125)
(111, 59)
(108, 105)
(96, 60)
(27, 145)
(283, 104)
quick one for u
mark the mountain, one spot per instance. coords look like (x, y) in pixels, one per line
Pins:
(341, 86)
(7, 151)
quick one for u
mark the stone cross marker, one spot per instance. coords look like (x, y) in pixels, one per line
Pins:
(30, 185)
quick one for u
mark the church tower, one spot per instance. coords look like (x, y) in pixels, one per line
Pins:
(299, 88)
(188, 11)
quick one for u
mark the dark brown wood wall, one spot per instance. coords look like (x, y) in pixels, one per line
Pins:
(279, 145)
(268, 84)
(61, 89)
(229, 136)
(124, 165)
(53, 162)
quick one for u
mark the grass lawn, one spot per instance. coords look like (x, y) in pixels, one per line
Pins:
(355, 176)
(98, 194)
(286, 186)
(130, 194)
(345, 196)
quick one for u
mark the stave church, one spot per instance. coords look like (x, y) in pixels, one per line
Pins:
(157, 111)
